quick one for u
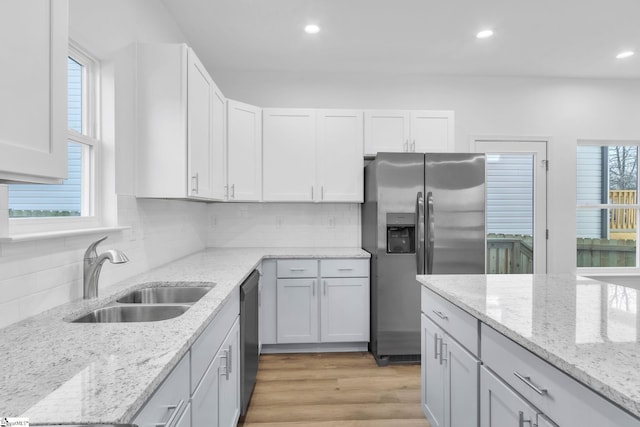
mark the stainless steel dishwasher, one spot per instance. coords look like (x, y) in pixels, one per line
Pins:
(249, 353)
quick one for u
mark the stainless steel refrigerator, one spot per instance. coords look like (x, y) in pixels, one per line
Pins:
(422, 214)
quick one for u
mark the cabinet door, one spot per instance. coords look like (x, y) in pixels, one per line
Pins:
(200, 90)
(500, 406)
(461, 385)
(297, 311)
(340, 154)
(218, 144)
(33, 105)
(204, 401)
(433, 373)
(289, 155)
(344, 310)
(229, 391)
(386, 131)
(431, 131)
(244, 152)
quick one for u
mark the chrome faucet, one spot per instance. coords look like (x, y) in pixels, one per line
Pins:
(93, 264)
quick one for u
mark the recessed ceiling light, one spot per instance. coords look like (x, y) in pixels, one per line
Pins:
(484, 34)
(625, 54)
(312, 29)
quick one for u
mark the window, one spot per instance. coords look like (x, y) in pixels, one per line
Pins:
(607, 205)
(73, 199)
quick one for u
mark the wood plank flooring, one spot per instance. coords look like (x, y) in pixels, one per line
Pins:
(334, 389)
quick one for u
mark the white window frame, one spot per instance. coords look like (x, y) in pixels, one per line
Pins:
(90, 136)
(610, 271)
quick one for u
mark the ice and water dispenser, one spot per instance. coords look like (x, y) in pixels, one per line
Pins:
(401, 233)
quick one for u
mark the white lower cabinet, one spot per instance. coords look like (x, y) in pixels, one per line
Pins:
(216, 401)
(203, 390)
(449, 379)
(501, 406)
(310, 301)
(168, 403)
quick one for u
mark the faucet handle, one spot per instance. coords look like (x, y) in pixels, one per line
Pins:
(91, 252)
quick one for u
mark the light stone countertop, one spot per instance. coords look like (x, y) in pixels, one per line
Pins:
(586, 328)
(56, 372)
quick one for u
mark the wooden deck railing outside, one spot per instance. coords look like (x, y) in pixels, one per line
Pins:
(622, 218)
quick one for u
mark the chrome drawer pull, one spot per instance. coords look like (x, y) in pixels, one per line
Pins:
(527, 381)
(521, 419)
(176, 410)
(297, 269)
(345, 269)
(441, 315)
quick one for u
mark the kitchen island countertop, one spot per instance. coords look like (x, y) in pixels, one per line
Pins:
(57, 372)
(586, 328)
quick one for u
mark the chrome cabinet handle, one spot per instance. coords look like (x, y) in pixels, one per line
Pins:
(527, 381)
(443, 351)
(226, 364)
(406, 146)
(312, 192)
(441, 315)
(345, 269)
(413, 146)
(435, 346)
(233, 191)
(297, 269)
(324, 282)
(176, 410)
(230, 360)
(521, 419)
(322, 192)
(194, 183)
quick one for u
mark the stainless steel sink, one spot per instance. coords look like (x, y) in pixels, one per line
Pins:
(133, 313)
(166, 295)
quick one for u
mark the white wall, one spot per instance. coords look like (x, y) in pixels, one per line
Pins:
(38, 275)
(564, 109)
(284, 225)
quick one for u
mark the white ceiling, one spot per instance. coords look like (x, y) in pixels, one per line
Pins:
(568, 38)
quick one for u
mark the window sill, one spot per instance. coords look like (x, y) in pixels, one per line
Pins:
(26, 237)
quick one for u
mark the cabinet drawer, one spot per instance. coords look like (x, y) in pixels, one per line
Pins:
(546, 387)
(460, 325)
(297, 268)
(169, 400)
(208, 343)
(344, 268)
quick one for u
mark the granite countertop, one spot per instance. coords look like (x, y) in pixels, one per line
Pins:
(586, 328)
(56, 372)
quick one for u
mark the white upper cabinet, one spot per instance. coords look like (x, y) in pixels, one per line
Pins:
(181, 125)
(340, 156)
(244, 152)
(289, 155)
(408, 131)
(33, 105)
(312, 155)
(386, 131)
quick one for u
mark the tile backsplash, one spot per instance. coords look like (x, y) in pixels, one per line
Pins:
(40, 274)
(283, 224)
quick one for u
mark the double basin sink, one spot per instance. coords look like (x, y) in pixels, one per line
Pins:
(150, 304)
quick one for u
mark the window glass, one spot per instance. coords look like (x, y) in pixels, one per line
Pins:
(40, 200)
(607, 235)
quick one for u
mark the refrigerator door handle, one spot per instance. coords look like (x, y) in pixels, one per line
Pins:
(420, 233)
(430, 234)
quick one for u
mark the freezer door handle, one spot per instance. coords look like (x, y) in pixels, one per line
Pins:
(420, 233)
(430, 235)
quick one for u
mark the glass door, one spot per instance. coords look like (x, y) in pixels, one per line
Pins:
(516, 205)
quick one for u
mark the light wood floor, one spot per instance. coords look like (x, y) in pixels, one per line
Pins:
(334, 389)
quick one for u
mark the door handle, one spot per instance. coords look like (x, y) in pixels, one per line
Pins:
(430, 232)
(413, 146)
(521, 419)
(194, 183)
(435, 346)
(443, 351)
(420, 233)
(233, 191)
(406, 145)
